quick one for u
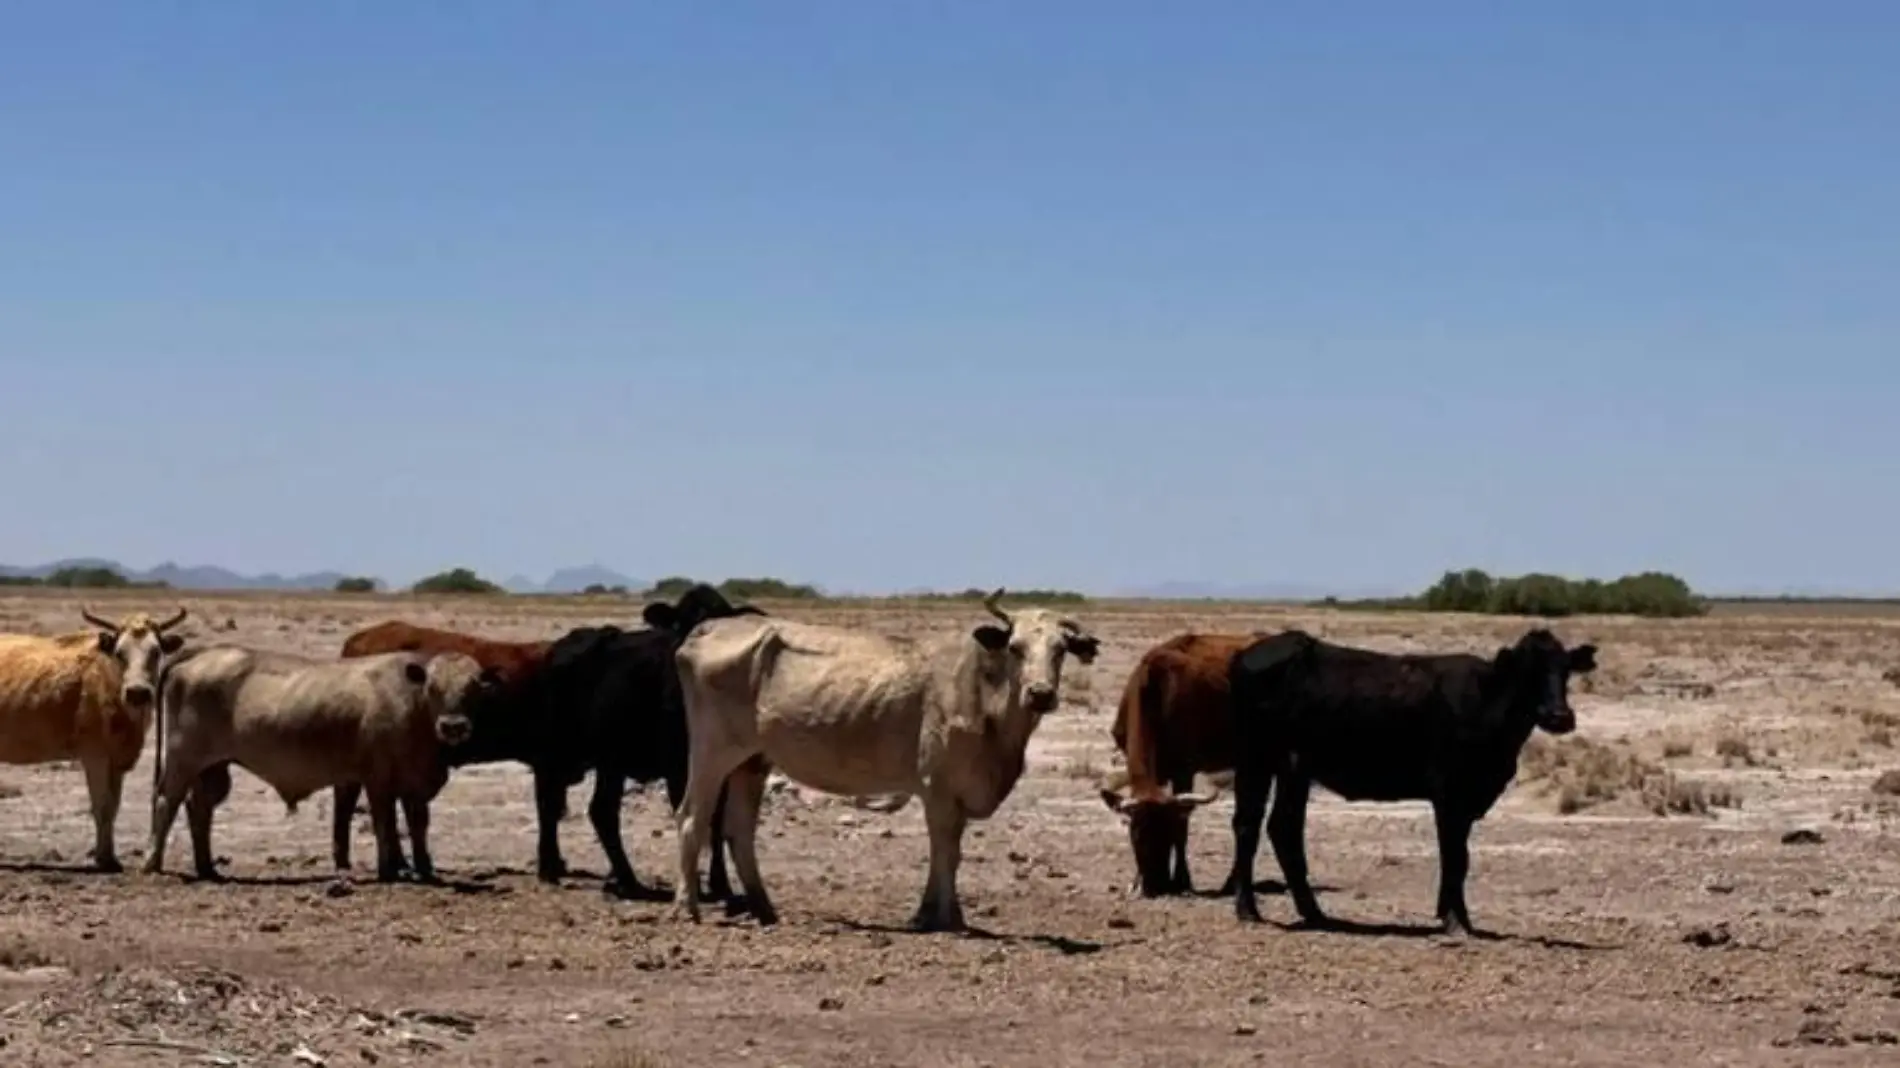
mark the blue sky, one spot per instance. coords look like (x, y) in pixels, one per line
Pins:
(898, 294)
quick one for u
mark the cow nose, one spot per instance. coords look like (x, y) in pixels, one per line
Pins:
(1042, 698)
(1560, 721)
(138, 696)
(453, 730)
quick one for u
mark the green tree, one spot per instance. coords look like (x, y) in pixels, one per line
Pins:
(357, 584)
(456, 580)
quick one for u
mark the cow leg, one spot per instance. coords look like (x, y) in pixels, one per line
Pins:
(718, 884)
(707, 771)
(1179, 881)
(343, 798)
(415, 812)
(550, 803)
(740, 797)
(940, 910)
(603, 811)
(176, 781)
(1286, 828)
(1251, 787)
(1454, 864)
(104, 787)
(382, 819)
(212, 787)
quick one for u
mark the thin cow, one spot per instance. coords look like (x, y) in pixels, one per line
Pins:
(1175, 720)
(302, 724)
(855, 714)
(1372, 726)
(86, 696)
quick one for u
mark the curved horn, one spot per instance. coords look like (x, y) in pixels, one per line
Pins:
(86, 614)
(172, 622)
(1197, 800)
(989, 603)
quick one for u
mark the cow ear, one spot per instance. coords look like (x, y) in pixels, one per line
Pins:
(108, 641)
(169, 644)
(1114, 802)
(489, 677)
(415, 672)
(1084, 649)
(1583, 659)
(995, 639)
(660, 615)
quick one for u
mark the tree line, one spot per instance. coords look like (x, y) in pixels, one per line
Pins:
(1650, 594)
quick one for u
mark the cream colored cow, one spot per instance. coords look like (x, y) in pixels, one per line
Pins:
(856, 714)
(85, 696)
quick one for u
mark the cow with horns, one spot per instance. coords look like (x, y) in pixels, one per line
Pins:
(856, 714)
(86, 696)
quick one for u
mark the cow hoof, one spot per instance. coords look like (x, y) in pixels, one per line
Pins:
(213, 876)
(635, 891)
(1248, 913)
(766, 915)
(109, 866)
(738, 905)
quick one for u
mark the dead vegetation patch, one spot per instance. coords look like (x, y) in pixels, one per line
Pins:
(1581, 773)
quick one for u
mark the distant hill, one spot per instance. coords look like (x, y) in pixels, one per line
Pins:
(576, 579)
(187, 578)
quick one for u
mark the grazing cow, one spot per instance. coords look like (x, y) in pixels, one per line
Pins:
(856, 714)
(605, 700)
(85, 696)
(1175, 720)
(512, 664)
(302, 724)
(1373, 726)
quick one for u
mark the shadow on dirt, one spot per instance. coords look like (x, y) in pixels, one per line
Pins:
(1334, 925)
(1068, 947)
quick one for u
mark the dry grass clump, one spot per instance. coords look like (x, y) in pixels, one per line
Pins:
(1584, 773)
(1081, 766)
(1734, 749)
(1888, 783)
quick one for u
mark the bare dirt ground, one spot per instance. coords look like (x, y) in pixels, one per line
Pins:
(1622, 937)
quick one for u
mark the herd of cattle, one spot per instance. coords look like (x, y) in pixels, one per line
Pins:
(710, 697)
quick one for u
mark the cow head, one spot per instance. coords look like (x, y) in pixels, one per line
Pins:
(1032, 645)
(141, 647)
(1536, 673)
(1157, 824)
(454, 686)
(698, 604)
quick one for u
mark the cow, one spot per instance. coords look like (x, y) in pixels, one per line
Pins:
(606, 700)
(1174, 721)
(86, 696)
(302, 724)
(512, 663)
(1372, 726)
(854, 714)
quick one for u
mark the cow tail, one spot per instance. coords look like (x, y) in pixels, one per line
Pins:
(158, 738)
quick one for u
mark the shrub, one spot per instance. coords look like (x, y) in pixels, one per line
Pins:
(1651, 594)
(96, 578)
(736, 589)
(455, 580)
(1032, 596)
(598, 590)
(358, 584)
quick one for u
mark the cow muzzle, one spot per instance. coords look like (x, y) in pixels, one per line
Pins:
(1560, 719)
(454, 730)
(138, 696)
(1040, 697)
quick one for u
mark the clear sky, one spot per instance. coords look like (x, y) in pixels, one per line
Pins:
(894, 294)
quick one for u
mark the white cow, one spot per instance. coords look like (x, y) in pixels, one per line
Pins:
(855, 714)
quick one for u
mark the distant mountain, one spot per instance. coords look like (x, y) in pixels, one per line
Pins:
(576, 579)
(187, 578)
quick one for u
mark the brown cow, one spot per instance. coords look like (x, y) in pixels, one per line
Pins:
(1174, 721)
(511, 662)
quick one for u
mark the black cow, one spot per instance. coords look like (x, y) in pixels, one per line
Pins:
(606, 700)
(1373, 726)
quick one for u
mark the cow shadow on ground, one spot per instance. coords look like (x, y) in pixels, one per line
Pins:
(1338, 926)
(63, 871)
(1066, 946)
(355, 882)
(1270, 887)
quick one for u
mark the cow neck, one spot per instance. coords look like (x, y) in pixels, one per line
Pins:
(1139, 740)
(1003, 727)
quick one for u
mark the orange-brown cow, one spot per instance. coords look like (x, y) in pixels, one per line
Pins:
(86, 696)
(1174, 721)
(512, 662)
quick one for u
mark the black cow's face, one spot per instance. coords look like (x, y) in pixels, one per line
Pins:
(1157, 828)
(1540, 668)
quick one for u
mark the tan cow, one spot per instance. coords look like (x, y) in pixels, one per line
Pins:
(303, 724)
(85, 696)
(858, 714)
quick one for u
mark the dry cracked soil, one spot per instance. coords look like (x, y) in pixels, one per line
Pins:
(1708, 874)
